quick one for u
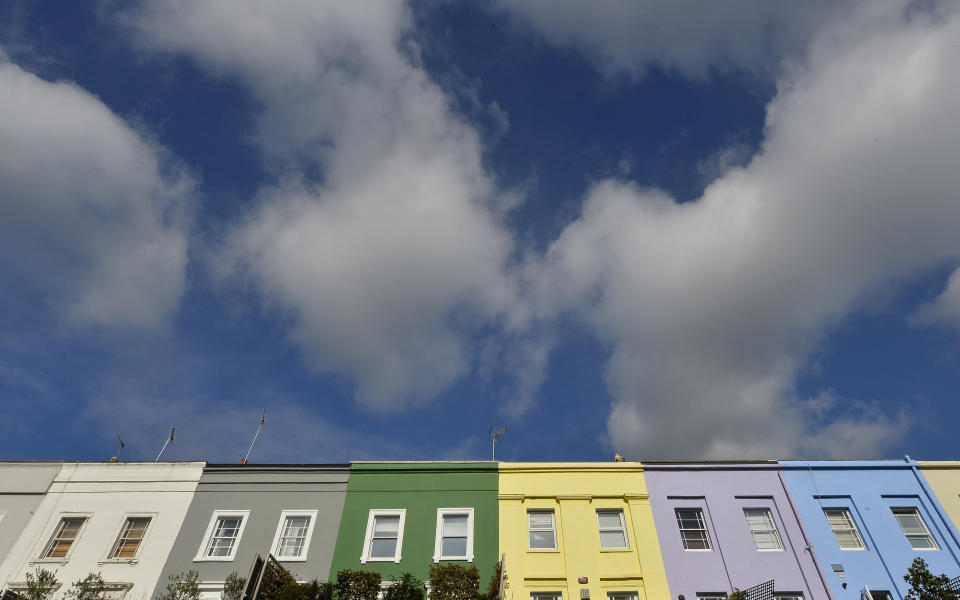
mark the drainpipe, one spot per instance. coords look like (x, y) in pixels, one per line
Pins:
(803, 532)
(932, 499)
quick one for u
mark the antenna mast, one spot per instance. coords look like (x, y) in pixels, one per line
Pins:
(494, 438)
(263, 419)
(169, 440)
(117, 457)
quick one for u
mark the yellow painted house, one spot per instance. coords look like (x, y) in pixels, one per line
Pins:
(578, 531)
(943, 476)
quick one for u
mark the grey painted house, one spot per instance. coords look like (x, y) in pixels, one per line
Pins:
(22, 487)
(239, 511)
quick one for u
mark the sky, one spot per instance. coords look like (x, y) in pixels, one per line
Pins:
(672, 230)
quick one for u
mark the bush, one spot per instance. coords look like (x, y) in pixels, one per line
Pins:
(313, 590)
(233, 587)
(40, 585)
(737, 594)
(182, 587)
(357, 585)
(924, 585)
(493, 589)
(454, 582)
(407, 587)
(90, 587)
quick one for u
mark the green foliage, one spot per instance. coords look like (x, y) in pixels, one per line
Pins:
(454, 582)
(357, 585)
(182, 587)
(493, 589)
(233, 587)
(313, 590)
(275, 580)
(737, 594)
(40, 585)
(407, 587)
(90, 587)
(924, 585)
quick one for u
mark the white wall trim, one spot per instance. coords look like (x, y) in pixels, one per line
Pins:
(438, 537)
(387, 512)
(275, 546)
(217, 514)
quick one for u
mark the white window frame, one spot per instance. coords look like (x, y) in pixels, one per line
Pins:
(438, 543)
(109, 558)
(622, 529)
(45, 548)
(628, 595)
(923, 523)
(711, 595)
(772, 527)
(205, 544)
(852, 526)
(553, 528)
(368, 538)
(702, 519)
(275, 547)
(546, 596)
(787, 596)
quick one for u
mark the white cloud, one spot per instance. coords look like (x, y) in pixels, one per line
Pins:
(392, 264)
(687, 37)
(945, 308)
(92, 215)
(714, 307)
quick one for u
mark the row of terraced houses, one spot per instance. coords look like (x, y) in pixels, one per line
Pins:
(819, 530)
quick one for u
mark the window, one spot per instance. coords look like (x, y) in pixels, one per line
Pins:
(294, 531)
(545, 596)
(613, 532)
(454, 539)
(844, 529)
(787, 596)
(384, 538)
(880, 595)
(131, 535)
(621, 596)
(915, 529)
(693, 529)
(543, 533)
(763, 529)
(223, 535)
(66, 533)
(711, 596)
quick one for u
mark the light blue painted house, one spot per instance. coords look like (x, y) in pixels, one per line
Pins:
(867, 521)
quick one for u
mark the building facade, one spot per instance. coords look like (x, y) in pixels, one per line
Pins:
(240, 511)
(404, 517)
(943, 479)
(578, 530)
(868, 521)
(22, 487)
(116, 519)
(731, 525)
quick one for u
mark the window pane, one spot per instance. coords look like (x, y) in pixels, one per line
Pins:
(609, 519)
(541, 519)
(296, 526)
(386, 526)
(454, 525)
(542, 539)
(612, 539)
(454, 546)
(383, 548)
(766, 540)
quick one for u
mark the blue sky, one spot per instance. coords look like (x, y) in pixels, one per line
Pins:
(671, 230)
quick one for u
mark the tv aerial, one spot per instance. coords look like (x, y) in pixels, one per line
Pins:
(263, 419)
(166, 443)
(494, 438)
(122, 445)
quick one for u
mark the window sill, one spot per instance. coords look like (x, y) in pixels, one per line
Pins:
(616, 549)
(213, 559)
(698, 549)
(118, 561)
(50, 561)
(548, 550)
(389, 559)
(769, 549)
(290, 558)
(437, 559)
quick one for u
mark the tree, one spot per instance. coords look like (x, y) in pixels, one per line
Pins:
(924, 585)
(493, 589)
(357, 585)
(454, 582)
(182, 587)
(407, 587)
(90, 587)
(233, 587)
(737, 594)
(40, 585)
(313, 590)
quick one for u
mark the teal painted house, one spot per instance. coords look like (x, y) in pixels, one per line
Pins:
(403, 517)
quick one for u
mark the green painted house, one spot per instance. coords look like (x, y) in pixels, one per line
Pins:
(403, 517)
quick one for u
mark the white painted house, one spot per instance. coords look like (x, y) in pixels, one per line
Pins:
(117, 519)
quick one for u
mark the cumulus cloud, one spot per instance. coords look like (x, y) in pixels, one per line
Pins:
(714, 307)
(93, 216)
(690, 38)
(390, 261)
(945, 308)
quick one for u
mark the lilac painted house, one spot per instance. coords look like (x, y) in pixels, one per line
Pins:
(731, 525)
